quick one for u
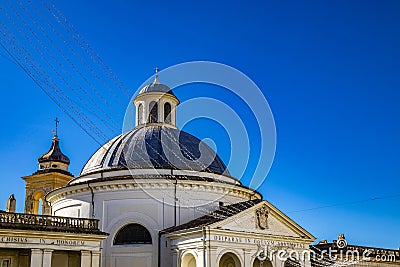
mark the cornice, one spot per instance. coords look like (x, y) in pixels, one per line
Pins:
(151, 183)
(195, 232)
(52, 234)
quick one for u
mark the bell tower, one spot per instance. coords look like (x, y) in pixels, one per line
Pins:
(52, 173)
(156, 104)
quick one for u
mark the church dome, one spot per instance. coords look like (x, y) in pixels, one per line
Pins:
(156, 87)
(155, 146)
(54, 154)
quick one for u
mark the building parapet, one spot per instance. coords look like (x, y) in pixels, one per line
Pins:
(23, 221)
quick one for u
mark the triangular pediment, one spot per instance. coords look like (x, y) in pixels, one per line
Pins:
(263, 218)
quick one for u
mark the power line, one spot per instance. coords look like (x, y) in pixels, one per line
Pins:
(69, 79)
(69, 73)
(44, 75)
(86, 47)
(47, 92)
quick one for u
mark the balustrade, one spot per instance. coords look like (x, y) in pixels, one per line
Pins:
(22, 220)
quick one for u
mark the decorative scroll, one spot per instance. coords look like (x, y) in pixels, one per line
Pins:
(262, 218)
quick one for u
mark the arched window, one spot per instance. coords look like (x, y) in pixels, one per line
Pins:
(132, 234)
(229, 259)
(167, 112)
(188, 260)
(40, 206)
(140, 113)
(153, 116)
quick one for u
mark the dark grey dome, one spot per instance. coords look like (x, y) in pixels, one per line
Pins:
(156, 87)
(160, 147)
(54, 154)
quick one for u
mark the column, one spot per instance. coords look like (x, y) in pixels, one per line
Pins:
(200, 257)
(160, 111)
(47, 253)
(211, 256)
(247, 257)
(173, 114)
(307, 259)
(36, 257)
(175, 258)
(96, 258)
(86, 258)
(146, 111)
(279, 262)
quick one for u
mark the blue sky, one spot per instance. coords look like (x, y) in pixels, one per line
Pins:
(330, 72)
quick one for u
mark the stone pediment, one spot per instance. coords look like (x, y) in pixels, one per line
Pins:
(263, 218)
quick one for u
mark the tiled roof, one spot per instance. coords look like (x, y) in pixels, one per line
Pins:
(220, 214)
(159, 147)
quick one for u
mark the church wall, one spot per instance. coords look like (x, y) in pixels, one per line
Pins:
(66, 259)
(121, 202)
(78, 206)
(131, 255)
(15, 257)
(217, 251)
(240, 239)
(68, 211)
(165, 252)
(117, 213)
(60, 259)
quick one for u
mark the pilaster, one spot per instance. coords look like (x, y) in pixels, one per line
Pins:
(36, 258)
(211, 257)
(246, 257)
(175, 258)
(96, 258)
(47, 254)
(86, 258)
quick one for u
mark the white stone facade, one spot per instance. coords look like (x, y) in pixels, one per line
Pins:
(148, 202)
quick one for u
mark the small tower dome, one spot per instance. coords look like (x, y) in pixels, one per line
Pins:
(54, 154)
(54, 158)
(156, 104)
